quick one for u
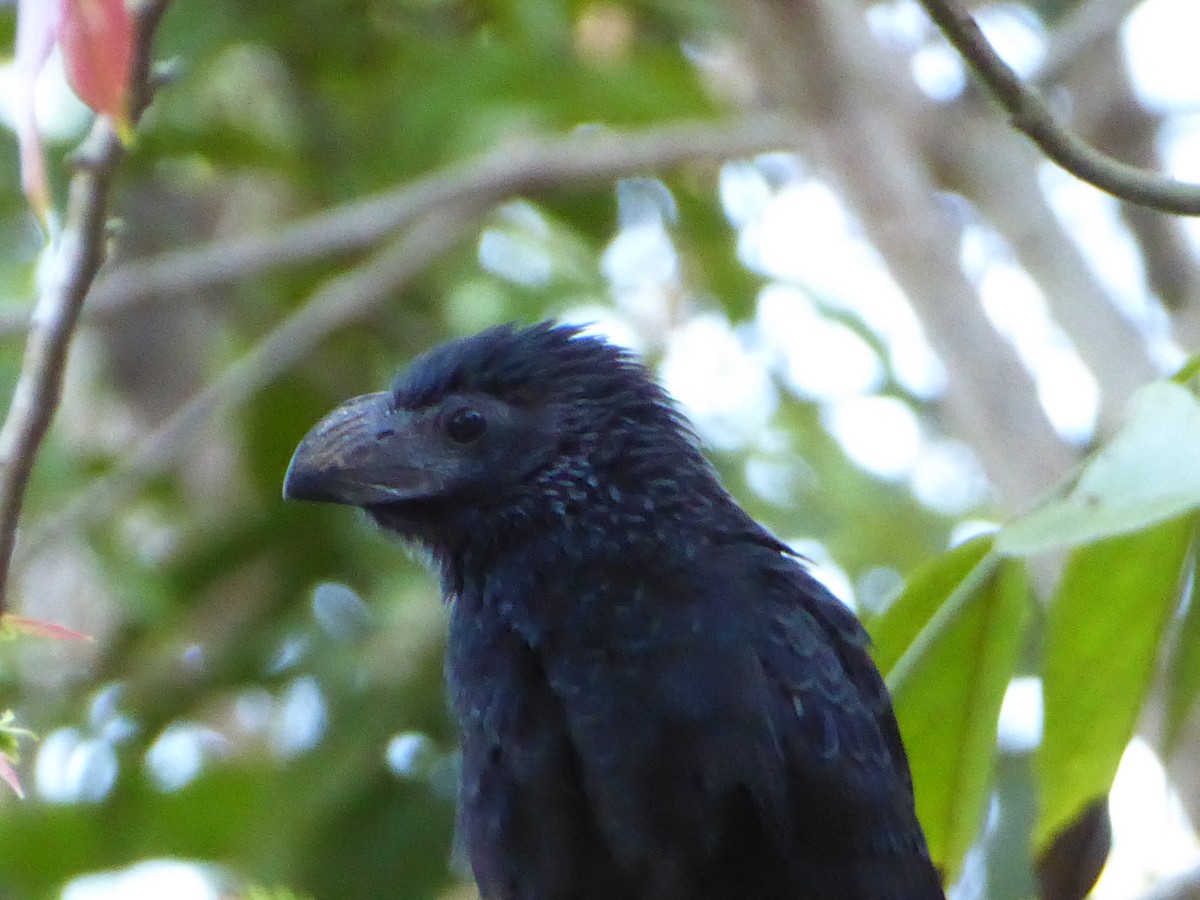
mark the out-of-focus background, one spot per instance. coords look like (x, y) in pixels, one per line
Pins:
(893, 323)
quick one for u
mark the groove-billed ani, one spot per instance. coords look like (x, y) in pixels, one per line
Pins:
(657, 701)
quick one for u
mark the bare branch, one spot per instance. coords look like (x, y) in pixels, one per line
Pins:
(343, 299)
(859, 112)
(595, 155)
(72, 260)
(1031, 115)
(440, 209)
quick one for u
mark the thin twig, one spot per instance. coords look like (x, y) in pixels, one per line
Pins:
(1031, 115)
(589, 156)
(73, 258)
(344, 299)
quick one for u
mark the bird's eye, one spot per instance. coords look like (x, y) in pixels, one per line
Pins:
(466, 425)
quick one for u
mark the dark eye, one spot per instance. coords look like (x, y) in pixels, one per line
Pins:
(466, 425)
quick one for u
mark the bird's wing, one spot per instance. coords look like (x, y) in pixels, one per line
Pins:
(847, 773)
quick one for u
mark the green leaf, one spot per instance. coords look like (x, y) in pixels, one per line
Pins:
(1105, 626)
(925, 591)
(948, 686)
(1183, 672)
(1145, 475)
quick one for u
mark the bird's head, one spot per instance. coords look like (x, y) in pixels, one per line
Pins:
(509, 429)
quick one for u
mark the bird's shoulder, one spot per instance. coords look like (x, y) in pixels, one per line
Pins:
(840, 735)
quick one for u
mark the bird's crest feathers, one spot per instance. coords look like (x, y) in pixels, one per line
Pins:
(513, 364)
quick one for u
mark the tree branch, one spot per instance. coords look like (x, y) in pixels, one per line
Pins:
(71, 262)
(343, 299)
(438, 211)
(590, 156)
(859, 111)
(1032, 116)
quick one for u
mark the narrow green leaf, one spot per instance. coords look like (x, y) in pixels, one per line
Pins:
(1145, 475)
(947, 690)
(925, 591)
(1104, 630)
(1183, 673)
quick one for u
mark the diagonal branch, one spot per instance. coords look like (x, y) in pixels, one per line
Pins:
(1031, 115)
(590, 156)
(432, 215)
(72, 260)
(343, 299)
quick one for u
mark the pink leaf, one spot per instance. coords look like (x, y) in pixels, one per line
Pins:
(96, 37)
(37, 26)
(9, 776)
(10, 625)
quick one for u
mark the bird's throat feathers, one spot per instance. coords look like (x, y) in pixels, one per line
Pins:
(638, 509)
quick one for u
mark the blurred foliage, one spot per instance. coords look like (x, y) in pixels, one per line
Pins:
(226, 714)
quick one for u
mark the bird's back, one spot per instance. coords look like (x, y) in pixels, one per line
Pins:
(712, 729)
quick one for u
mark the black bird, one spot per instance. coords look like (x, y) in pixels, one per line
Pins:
(657, 701)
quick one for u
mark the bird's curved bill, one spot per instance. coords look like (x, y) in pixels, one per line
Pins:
(352, 456)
